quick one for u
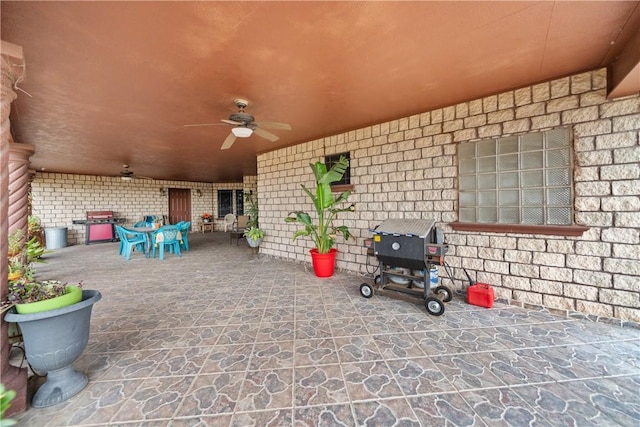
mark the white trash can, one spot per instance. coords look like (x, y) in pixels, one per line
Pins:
(55, 237)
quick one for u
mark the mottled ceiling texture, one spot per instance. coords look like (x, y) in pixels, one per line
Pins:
(111, 83)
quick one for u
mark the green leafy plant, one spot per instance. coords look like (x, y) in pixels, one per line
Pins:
(26, 290)
(35, 229)
(6, 396)
(17, 269)
(15, 243)
(251, 209)
(253, 230)
(254, 233)
(22, 287)
(323, 233)
(35, 250)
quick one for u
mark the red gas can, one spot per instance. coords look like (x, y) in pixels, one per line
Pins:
(480, 294)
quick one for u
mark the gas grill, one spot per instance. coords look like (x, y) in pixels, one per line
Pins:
(406, 250)
(99, 226)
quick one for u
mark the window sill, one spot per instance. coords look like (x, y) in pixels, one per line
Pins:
(341, 188)
(553, 230)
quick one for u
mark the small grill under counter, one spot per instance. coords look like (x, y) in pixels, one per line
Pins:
(100, 226)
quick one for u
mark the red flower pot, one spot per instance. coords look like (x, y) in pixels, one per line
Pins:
(323, 264)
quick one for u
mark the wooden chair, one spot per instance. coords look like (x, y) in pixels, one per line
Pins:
(238, 231)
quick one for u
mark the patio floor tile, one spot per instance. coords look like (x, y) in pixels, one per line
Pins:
(223, 336)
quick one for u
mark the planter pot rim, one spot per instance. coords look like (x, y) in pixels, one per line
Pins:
(89, 297)
(72, 295)
(315, 250)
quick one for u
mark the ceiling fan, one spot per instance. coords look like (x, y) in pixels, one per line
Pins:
(127, 174)
(244, 125)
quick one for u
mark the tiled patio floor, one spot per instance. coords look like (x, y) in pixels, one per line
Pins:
(225, 337)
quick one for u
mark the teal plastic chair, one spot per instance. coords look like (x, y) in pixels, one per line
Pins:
(140, 224)
(168, 236)
(184, 227)
(130, 239)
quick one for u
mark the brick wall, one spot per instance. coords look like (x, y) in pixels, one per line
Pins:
(58, 199)
(407, 168)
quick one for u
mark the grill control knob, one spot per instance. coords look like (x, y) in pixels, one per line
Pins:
(395, 246)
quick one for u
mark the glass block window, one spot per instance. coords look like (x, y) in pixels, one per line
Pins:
(522, 179)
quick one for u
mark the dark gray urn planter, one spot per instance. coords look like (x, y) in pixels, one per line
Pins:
(53, 340)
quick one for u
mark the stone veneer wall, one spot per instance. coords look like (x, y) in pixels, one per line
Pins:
(250, 183)
(407, 168)
(58, 199)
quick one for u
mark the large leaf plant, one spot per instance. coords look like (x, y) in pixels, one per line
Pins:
(323, 233)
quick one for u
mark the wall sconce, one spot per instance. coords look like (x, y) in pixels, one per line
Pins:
(163, 191)
(199, 193)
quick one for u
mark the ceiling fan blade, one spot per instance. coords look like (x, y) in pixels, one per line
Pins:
(231, 122)
(228, 142)
(274, 125)
(268, 135)
(203, 124)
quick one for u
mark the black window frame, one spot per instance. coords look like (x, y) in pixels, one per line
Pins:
(239, 195)
(333, 159)
(227, 208)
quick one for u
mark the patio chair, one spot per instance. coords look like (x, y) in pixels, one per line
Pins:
(130, 240)
(167, 236)
(229, 221)
(242, 222)
(238, 231)
(140, 224)
(184, 227)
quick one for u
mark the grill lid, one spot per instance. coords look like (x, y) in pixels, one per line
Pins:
(99, 214)
(406, 227)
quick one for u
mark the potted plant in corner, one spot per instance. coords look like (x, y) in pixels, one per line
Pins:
(323, 233)
(54, 319)
(253, 233)
(206, 217)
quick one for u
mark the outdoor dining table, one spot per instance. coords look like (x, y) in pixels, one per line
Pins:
(148, 231)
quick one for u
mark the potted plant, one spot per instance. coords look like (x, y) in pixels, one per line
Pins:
(206, 217)
(35, 230)
(254, 236)
(253, 233)
(54, 319)
(15, 243)
(323, 233)
(6, 396)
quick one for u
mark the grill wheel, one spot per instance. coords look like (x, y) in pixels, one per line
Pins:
(366, 290)
(444, 293)
(434, 306)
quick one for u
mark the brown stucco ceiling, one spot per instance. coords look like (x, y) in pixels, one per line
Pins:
(115, 82)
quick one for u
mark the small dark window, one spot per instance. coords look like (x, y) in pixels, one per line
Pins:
(333, 159)
(239, 202)
(225, 202)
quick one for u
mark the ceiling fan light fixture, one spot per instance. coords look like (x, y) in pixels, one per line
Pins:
(242, 132)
